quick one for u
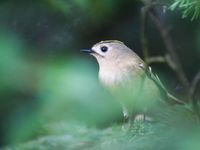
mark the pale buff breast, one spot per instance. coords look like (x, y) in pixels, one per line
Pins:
(110, 76)
(114, 75)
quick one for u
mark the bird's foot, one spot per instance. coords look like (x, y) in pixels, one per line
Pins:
(127, 120)
(125, 113)
(126, 126)
(142, 118)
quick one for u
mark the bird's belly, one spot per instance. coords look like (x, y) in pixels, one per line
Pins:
(134, 92)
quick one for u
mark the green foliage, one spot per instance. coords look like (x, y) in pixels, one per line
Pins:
(33, 92)
(12, 61)
(188, 8)
(95, 10)
(141, 135)
(52, 101)
(70, 107)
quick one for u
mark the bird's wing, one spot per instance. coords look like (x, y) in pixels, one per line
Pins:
(158, 82)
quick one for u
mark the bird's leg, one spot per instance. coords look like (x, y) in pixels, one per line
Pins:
(125, 113)
(127, 122)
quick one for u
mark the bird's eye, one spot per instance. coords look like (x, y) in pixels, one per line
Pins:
(104, 49)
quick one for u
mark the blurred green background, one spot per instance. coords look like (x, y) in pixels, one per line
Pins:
(44, 79)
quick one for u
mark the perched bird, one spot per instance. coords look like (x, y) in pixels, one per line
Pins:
(129, 80)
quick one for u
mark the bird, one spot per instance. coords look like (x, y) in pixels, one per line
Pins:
(131, 82)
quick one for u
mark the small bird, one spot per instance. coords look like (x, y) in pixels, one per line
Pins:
(129, 80)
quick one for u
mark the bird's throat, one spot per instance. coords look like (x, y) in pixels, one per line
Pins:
(112, 76)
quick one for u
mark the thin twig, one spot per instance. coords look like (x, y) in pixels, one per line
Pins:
(144, 14)
(175, 62)
(194, 86)
(193, 89)
(142, 33)
(171, 57)
(156, 59)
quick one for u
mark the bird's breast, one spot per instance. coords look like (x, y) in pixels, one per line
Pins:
(111, 77)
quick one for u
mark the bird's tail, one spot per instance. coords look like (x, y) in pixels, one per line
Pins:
(155, 78)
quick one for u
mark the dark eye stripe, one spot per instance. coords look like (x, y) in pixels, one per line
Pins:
(104, 48)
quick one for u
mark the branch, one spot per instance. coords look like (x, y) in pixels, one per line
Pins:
(194, 86)
(156, 59)
(171, 58)
(144, 14)
(174, 61)
(144, 11)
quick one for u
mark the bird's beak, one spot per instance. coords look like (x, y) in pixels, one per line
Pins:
(87, 51)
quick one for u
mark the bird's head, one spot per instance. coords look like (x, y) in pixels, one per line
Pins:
(110, 51)
(116, 61)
